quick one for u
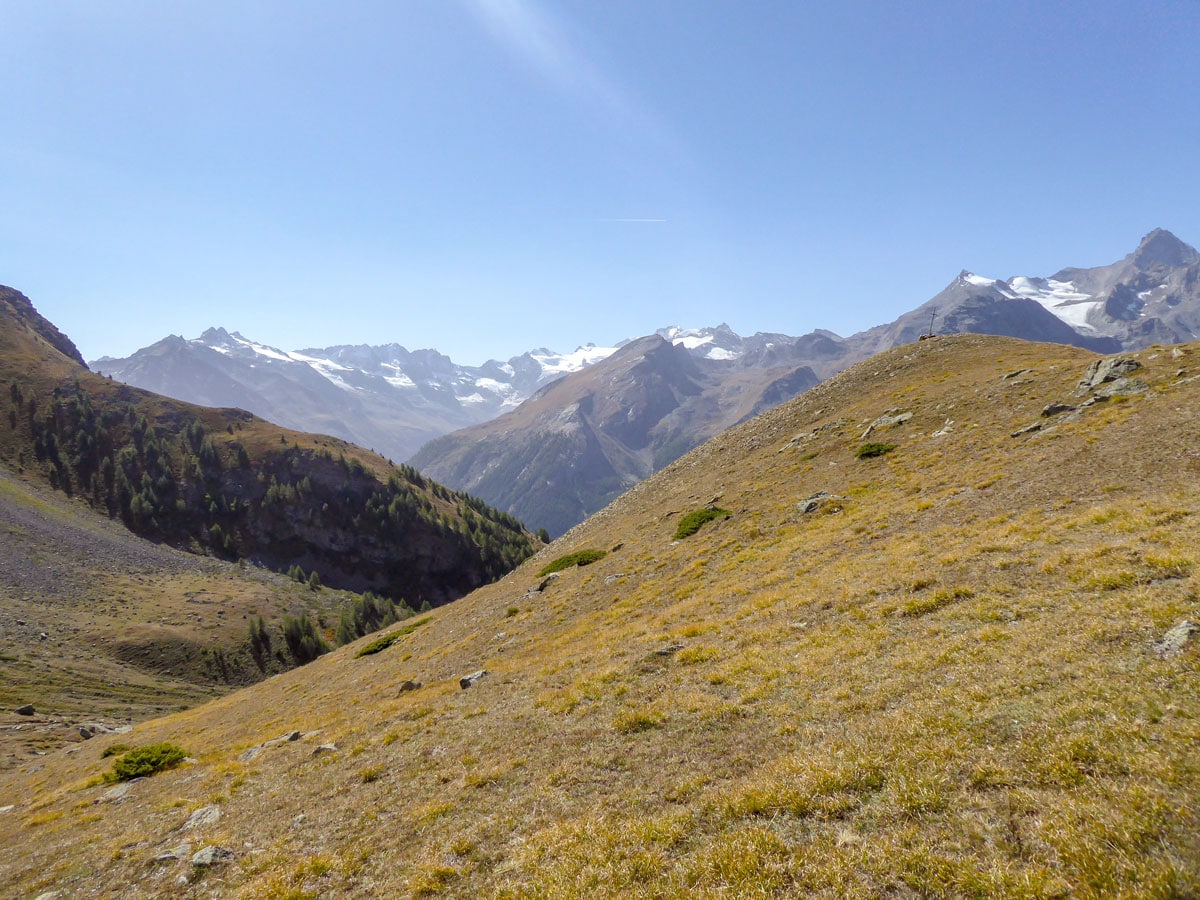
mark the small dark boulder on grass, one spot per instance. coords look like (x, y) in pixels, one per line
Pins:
(26, 710)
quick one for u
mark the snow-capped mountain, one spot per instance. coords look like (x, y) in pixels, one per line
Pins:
(386, 397)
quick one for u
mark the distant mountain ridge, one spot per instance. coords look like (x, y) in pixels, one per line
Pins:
(395, 401)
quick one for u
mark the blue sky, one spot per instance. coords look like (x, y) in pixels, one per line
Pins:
(488, 176)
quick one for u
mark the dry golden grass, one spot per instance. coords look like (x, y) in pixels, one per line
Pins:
(947, 687)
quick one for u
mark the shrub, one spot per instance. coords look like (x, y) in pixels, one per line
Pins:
(114, 750)
(146, 761)
(693, 521)
(386, 640)
(578, 558)
(872, 449)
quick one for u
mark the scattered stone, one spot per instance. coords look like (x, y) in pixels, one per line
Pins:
(1123, 387)
(887, 420)
(410, 686)
(247, 755)
(669, 650)
(1028, 429)
(9, 808)
(1053, 409)
(181, 881)
(820, 500)
(51, 895)
(116, 793)
(1176, 638)
(545, 583)
(467, 680)
(205, 815)
(945, 429)
(1017, 374)
(325, 748)
(86, 733)
(1105, 370)
(210, 856)
(609, 579)
(26, 710)
(173, 853)
(299, 820)
(43, 636)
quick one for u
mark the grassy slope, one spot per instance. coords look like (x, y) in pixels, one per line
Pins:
(943, 684)
(133, 629)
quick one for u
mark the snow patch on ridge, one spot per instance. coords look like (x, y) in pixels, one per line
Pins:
(563, 363)
(1058, 297)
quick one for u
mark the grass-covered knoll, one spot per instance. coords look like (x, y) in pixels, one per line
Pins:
(578, 558)
(951, 688)
(694, 521)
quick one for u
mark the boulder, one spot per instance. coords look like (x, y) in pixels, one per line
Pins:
(210, 856)
(1108, 369)
(467, 680)
(410, 686)
(205, 815)
(26, 710)
(887, 420)
(820, 500)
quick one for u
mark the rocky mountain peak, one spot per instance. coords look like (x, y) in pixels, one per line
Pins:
(1160, 247)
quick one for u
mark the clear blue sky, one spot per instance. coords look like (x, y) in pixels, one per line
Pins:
(487, 176)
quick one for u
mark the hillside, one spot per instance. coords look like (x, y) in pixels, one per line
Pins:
(582, 440)
(958, 667)
(100, 628)
(225, 483)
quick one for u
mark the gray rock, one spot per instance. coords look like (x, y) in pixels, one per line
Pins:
(817, 501)
(1017, 374)
(86, 733)
(544, 583)
(887, 420)
(467, 680)
(115, 793)
(9, 808)
(616, 576)
(325, 748)
(51, 895)
(668, 650)
(1028, 429)
(1054, 409)
(26, 710)
(410, 686)
(173, 853)
(1104, 370)
(210, 856)
(205, 815)
(1123, 387)
(251, 753)
(1176, 638)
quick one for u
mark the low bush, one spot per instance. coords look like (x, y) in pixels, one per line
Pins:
(145, 761)
(873, 449)
(386, 640)
(693, 521)
(578, 558)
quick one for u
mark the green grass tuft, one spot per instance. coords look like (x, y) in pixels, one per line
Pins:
(578, 558)
(386, 640)
(693, 521)
(872, 449)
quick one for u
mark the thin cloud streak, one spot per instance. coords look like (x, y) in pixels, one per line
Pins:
(634, 220)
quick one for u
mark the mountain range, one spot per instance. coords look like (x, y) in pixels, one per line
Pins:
(582, 442)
